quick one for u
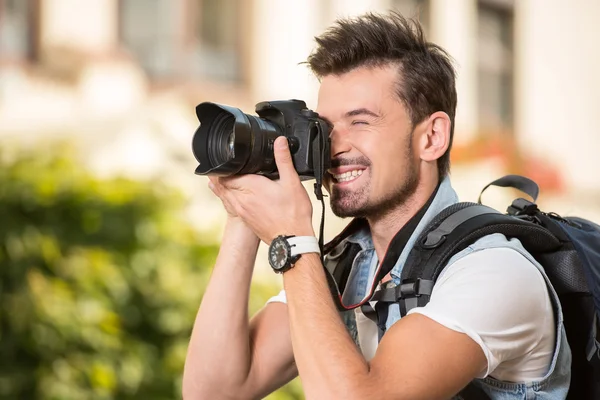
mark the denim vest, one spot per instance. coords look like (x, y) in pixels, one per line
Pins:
(554, 385)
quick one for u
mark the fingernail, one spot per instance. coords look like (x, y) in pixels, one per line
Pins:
(211, 185)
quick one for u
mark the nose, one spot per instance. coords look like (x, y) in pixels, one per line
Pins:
(339, 143)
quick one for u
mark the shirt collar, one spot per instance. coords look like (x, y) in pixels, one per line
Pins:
(444, 197)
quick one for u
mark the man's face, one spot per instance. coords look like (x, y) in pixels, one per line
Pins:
(374, 167)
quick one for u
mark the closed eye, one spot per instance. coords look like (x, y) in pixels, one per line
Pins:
(360, 123)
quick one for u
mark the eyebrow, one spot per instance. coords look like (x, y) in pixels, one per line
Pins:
(361, 111)
(353, 113)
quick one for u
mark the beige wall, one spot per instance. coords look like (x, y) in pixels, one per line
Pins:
(454, 27)
(558, 88)
(283, 41)
(88, 25)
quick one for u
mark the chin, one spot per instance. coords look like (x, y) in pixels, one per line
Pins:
(346, 211)
(346, 203)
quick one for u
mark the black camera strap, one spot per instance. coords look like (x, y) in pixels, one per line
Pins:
(319, 160)
(379, 314)
(319, 194)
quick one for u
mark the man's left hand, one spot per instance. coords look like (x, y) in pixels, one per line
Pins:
(269, 207)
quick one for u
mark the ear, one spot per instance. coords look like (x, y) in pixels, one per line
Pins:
(436, 138)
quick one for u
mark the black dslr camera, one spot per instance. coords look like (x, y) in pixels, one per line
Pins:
(229, 142)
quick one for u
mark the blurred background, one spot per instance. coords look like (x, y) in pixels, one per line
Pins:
(107, 238)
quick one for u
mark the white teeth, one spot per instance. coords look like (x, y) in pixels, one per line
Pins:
(348, 175)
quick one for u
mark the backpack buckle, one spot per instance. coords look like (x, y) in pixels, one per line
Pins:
(415, 289)
(522, 207)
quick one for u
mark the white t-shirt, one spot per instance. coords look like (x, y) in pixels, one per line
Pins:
(500, 300)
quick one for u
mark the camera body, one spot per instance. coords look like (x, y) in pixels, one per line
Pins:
(229, 142)
(303, 128)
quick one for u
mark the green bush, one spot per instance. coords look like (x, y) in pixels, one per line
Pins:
(100, 281)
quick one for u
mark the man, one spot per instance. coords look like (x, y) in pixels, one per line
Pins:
(390, 98)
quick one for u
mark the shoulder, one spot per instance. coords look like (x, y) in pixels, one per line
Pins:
(495, 262)
(505, 260)
(500, 299)
(499, 279)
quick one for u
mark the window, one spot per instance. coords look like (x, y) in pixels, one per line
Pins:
(418, 9)
(16, 29)
(215, 47)
(495, 65)
(148, 31)
(187, 38)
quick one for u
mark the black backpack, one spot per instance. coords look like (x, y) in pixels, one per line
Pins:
(567, 247)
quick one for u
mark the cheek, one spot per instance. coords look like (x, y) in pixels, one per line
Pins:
(390, 167)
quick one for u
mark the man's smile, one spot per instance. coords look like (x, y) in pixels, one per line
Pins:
(345, 175)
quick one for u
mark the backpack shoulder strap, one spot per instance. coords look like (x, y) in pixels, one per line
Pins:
(450, 232)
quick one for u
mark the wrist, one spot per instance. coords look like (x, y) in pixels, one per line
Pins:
(237, 228)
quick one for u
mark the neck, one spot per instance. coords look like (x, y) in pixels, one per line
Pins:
(384, 228)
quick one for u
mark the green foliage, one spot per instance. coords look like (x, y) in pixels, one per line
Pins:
(100, 281)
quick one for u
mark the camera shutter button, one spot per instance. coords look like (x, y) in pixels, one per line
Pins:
(307, 113)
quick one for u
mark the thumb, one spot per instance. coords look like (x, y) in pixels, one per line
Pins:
(283, 159)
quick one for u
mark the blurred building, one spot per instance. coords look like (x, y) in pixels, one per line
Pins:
(122, 77)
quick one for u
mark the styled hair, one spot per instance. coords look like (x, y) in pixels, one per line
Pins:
(426, 76)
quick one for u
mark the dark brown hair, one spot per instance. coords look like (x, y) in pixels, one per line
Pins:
(426, 81)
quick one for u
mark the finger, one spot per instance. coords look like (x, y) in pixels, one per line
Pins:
(230, 202)
(212, 180)
(246, 183)
(236, 182)
(233, 181)
(216, 181)
(283, 159)
(215, 186)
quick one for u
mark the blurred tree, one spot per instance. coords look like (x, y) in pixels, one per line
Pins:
(100, 281)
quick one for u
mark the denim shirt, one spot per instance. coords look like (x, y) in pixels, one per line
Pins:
(553, 386)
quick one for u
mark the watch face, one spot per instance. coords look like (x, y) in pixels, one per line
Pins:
(279, 253)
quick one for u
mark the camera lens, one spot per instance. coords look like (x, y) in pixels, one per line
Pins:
(221, 144)
(229, 142)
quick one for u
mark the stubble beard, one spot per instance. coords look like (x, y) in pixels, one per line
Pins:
(356, 204)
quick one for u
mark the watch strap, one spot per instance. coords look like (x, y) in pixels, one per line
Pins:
(303, 244)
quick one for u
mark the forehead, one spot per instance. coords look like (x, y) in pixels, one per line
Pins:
(373, 88)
